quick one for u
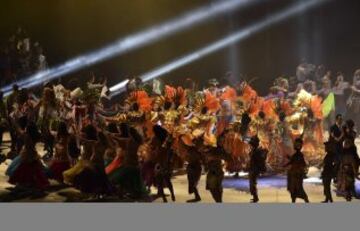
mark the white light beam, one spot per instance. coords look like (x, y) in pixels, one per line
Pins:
(135, 41)
(236, 37)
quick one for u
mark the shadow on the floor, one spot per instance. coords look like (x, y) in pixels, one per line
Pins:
(16, 193)
(77, 196)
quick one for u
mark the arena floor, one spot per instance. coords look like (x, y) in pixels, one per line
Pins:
(272, 189)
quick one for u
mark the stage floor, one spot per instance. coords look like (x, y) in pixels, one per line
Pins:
(272, 189)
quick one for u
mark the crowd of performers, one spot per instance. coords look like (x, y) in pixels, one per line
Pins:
(125, 149)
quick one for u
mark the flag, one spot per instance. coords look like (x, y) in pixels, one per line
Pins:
(328, 105)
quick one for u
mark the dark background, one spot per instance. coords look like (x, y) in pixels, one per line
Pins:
(329, 35)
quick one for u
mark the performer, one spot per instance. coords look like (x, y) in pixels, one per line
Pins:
(193, 168)
(127, 175)
(213, 162)
(337, 136)
(349, 131)
(29, 171)
(235, 145)
(163, 158)
(88, 141)
(349, 170)
(329, 170)
(257, 165)
(215, 173)
(296, 173)
(61, 160)
(285, 135)
(47, 115)
(213, 87)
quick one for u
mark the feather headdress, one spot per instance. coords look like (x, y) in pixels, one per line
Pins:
(142, 99)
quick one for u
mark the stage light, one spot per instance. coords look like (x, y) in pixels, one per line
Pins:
(118, 86)
(135, 41)
(235, 37)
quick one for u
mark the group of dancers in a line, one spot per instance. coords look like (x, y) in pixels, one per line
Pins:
(125, 148)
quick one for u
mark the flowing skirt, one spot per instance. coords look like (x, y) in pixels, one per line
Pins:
(57, 168)
(128, 178)
(295, 185)
(30, 174)
(93, 180)
(70, 174)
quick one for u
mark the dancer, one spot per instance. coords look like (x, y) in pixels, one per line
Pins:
(163, 168)
(257, 166)
(349, 170)
(193, 168)
(127, 175)
(28, 171)
(296, 173)
(213, 164)
(329, 170)
(61, 160)
(349, 131)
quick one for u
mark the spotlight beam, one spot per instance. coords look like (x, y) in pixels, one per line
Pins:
(135, 41)
(233, 38)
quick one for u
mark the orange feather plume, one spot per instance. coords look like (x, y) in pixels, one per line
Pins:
(269, 108)
(255, 106)
(249, 94)
(170, 93)
(181, 95)
(286, 107)
(229, 94)
(142, 99)
(211, 102)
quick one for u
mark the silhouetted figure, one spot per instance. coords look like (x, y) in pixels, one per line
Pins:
(349, 131)
(257, 166)
(214, 167)
(337, 137)
(163, 167)
(215, 176)
(336, 134)
(296, 173)
(329, 171)
(193, 169)
(348, 171)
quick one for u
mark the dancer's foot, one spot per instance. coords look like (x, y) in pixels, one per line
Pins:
(194, 200)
